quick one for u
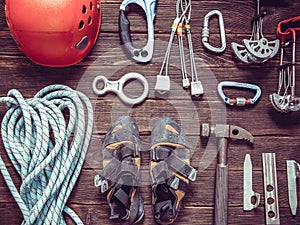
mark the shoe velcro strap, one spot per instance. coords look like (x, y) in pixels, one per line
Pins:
(160, 173)
(131, 169)
(181, 167)
(122, 196)
(163, 170)
(126, 150)
(178, 184)
(112, 171)
(109, 174)
(160, 153)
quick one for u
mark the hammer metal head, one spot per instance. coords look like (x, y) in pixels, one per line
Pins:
(226, 131)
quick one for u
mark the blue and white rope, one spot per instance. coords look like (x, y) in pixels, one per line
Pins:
(47, 149)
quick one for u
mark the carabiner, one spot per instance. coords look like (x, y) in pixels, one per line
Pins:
(145, 53)
(238, 101)
(285, 27)
(205, 31)
(285, 99)
(118, 85)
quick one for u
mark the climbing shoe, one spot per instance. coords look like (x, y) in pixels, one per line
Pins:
(121, 171)
(170, 169)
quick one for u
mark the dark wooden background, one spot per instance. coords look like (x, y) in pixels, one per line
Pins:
(273, 132)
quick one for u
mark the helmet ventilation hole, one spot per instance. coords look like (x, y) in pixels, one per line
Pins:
(91, 5)
(84, 10)
(90, 20)
(81, 24)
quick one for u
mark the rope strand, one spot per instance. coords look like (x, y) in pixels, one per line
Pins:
(46, 149)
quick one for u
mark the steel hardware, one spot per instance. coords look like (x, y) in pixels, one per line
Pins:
(248, 191)
(270, 189)
(293, 172)
(238, 101)
(205, 32)
(118, 86)
(257, 49)
(145, 53)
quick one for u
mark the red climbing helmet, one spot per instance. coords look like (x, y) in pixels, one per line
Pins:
(54, 33)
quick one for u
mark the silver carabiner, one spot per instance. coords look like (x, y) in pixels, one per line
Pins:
(118, 85)
(205, 31)
(238, 101)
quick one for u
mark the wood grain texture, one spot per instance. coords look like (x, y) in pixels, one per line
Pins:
(273, 132)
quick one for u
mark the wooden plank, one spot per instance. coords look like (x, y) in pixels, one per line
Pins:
(93, 214)
(273, 132)
(108, 52)
(197, 195)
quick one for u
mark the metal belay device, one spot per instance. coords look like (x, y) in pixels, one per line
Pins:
(145, 53)
(257, 49)
(285, 100)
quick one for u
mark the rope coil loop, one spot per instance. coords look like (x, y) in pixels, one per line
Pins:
(47, 149)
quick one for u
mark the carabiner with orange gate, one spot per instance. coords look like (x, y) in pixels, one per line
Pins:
(240, 101)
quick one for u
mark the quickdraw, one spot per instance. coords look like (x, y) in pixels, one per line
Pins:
(145, 53)
(285, 100)
(205, 32)
(257, 49)
(238, 101)
(162, 87)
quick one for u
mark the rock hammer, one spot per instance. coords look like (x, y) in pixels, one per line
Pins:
(223, 132)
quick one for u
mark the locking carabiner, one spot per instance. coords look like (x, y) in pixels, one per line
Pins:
(145, 53)
(205, 31)
(238, 101)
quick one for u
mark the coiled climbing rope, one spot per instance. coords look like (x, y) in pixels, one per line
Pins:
(47, 150)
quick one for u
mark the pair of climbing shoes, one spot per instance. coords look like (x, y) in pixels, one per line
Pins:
(169, 168)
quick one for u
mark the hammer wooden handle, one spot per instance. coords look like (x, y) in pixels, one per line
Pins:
(221, 195)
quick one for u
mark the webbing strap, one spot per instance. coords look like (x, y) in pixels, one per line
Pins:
(122, 196)
(127, 150)
(160, 153)
(181, 167)
(160, 173)
(107, 177)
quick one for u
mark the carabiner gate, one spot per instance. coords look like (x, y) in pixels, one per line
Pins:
(205, 31)
(145, 53)
(238, 101)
